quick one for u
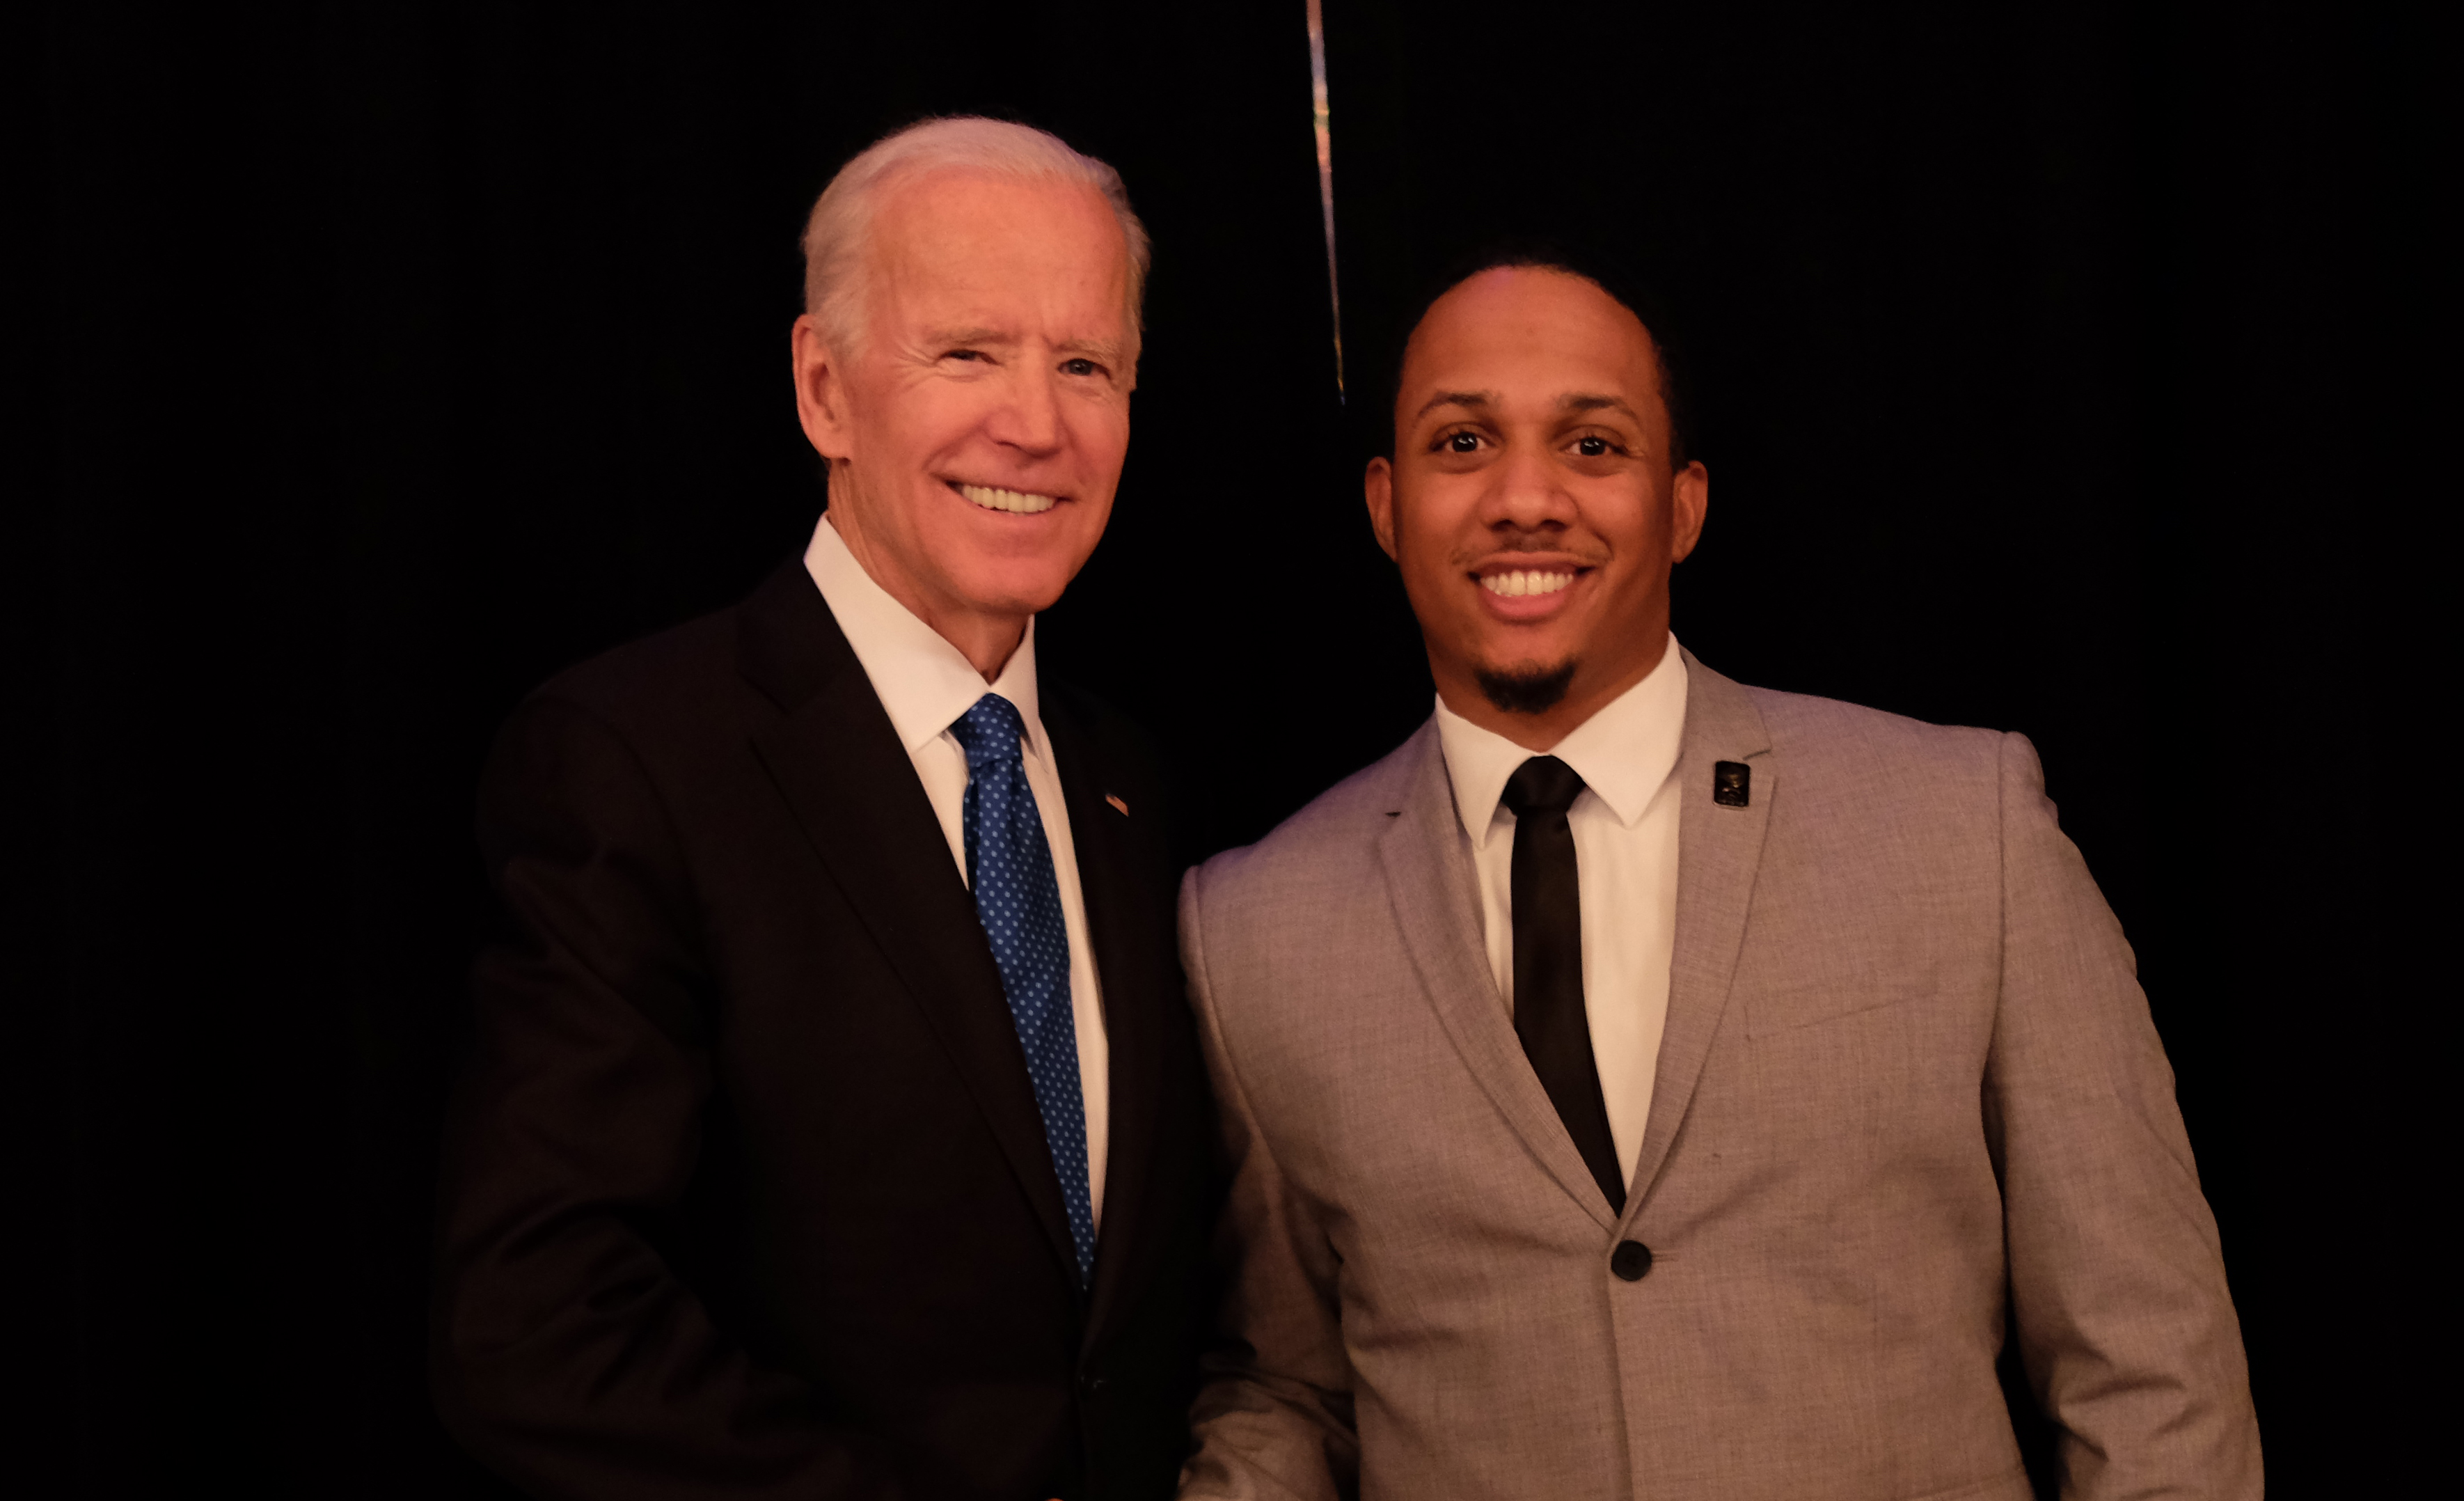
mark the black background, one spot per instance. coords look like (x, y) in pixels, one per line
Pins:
(385, 358)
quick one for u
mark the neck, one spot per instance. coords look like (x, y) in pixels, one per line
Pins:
(986, 639)
(1459, 685)
(986, 642)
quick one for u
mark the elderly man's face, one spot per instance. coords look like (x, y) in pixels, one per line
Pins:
(1530, 502)
(978, 430)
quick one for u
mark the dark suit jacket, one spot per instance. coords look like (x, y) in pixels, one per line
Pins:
(745, 1193)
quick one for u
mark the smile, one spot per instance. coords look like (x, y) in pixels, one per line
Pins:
(1018, 503)
(1524, 582)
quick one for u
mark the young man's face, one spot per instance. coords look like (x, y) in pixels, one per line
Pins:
(1530, 502)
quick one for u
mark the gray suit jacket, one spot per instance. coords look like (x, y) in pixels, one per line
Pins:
(1908, 1079)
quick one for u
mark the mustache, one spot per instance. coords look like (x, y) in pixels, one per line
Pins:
(1584, 551)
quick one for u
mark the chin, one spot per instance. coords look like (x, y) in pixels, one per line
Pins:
(1017, 590)
(1528, 687)
(1525, 651)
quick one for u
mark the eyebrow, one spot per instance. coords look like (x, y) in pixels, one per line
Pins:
(1072, 348)
(1590, 403)
(968, 336)
(1475, 399)
(1583, 401)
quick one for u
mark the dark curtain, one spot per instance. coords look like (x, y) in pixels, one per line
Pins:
(2056, 365)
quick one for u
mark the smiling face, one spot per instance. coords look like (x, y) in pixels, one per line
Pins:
(1530, 504)
(977, 431)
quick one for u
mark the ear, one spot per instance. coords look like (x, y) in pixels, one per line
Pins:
(1692, 489)
(1379, 483)
(821, 392)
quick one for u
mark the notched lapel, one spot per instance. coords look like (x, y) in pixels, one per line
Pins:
(1429, 877)
(838, 763)
(1131, 975)
(1718, 850)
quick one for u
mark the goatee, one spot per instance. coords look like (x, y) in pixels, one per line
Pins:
(1529, 689)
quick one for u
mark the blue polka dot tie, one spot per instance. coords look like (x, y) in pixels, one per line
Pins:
(1019, 902)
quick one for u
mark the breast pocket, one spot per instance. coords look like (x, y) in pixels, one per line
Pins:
(1831, 998)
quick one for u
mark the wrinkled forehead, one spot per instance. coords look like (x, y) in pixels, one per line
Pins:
(982, 232)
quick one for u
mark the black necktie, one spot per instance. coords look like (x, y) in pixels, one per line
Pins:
(1549, 962)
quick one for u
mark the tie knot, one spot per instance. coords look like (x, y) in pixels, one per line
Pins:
(990, 732)
(1543, 784)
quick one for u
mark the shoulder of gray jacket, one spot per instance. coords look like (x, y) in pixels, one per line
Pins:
(1339, 825)
(1809, 734)
(1806, 732)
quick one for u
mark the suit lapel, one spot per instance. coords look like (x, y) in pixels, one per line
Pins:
(1133, 980)
(1429, 875)
(838, 763)
(1718, 850)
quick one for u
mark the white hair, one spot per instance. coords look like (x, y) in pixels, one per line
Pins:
(837, 235)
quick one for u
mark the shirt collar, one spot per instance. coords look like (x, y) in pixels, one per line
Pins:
(1623, 752)
(922, 681)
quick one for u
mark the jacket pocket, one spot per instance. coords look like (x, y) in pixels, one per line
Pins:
(1792, 1008)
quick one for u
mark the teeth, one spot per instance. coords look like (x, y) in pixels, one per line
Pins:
(1524, 580)
(1016, 500)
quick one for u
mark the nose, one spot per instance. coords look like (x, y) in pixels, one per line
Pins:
(1524, 492)
(1029, 419)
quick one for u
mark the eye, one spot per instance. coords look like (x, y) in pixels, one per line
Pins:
(1593, 447)
(1462, 443)
(965, 354)
(1081, 368)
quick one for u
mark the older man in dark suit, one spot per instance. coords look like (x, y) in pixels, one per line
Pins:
(835, 1125)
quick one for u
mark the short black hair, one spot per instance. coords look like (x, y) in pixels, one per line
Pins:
(1601, 268)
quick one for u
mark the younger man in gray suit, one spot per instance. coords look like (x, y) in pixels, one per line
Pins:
(1644, 1084)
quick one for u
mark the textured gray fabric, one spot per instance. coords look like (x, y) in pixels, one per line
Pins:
(1904, 1034)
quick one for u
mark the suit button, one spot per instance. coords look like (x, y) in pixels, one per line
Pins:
(1630, 1260)
(1091, 1386)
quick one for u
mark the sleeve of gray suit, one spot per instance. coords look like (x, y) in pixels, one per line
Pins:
(2117, 1279)
(1277, 1406)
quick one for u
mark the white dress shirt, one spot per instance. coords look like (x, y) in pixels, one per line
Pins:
(1626, 856)
(926, 684)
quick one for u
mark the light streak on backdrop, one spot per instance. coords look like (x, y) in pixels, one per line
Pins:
(1326, 177)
